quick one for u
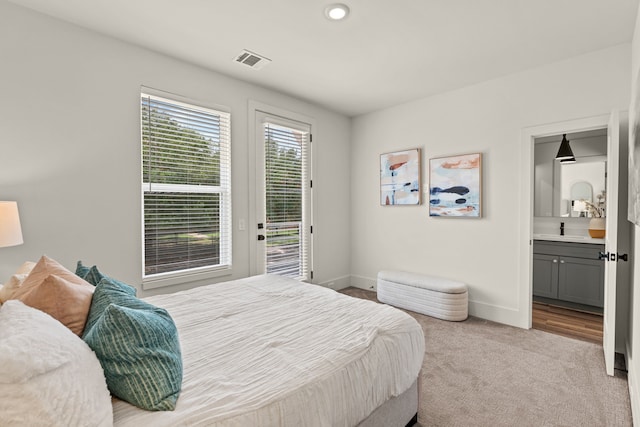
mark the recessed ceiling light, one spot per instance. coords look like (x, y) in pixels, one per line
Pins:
(337, 12)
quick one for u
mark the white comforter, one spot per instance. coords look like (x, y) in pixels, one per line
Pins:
(271, 351)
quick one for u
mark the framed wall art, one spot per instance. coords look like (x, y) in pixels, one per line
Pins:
(400, 178)
(455, 186)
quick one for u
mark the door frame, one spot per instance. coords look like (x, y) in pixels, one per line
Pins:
(526, 201)
(611, 266)
(254, 108)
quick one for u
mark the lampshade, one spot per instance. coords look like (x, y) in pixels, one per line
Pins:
(568, 161)
(10, 231)
(565, 153)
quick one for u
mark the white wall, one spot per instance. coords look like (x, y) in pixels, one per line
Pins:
(70, 147)
(633, 342)
(487, 118)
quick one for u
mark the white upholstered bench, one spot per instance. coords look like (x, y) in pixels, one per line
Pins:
(433, 296)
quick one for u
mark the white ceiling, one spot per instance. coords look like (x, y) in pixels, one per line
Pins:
(383, 54)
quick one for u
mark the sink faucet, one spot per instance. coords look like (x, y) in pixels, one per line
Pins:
(562, 228)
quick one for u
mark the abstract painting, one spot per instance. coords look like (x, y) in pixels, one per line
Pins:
(400, 178)
(455, 186)
(634, 156)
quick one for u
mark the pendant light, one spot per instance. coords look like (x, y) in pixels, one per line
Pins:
(565, 153)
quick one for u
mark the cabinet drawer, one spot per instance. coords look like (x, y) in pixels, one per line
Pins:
(576, 250)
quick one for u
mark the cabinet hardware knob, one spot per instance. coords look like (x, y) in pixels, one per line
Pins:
(555, 260)
(603, 255)
(623, 257)
(561, 261)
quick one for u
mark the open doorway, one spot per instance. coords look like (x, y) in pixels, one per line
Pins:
(535, 230)
(569, 201)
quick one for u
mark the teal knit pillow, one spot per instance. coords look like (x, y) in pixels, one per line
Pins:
(137, 346)
(82, 271)
(94, 276)
(108, 291)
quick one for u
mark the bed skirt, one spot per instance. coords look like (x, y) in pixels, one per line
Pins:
(398, 411)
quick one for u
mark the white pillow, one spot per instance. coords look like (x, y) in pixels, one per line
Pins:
(48, 375)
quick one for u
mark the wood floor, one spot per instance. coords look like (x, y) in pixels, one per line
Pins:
(569, 323)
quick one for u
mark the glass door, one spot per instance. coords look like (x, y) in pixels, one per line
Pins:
(283, 197)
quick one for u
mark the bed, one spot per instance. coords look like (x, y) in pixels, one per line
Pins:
(260, 351)
(271, 351)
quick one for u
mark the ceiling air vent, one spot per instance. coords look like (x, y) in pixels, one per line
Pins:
(252, 60)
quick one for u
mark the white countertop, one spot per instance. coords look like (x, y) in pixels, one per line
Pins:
(568, 238)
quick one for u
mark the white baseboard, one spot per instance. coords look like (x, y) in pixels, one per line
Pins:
(362, 282)
(337, 283)
(495, 313)
(632, 381)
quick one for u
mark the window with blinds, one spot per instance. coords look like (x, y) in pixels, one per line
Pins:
(286, 191)
(186, 186)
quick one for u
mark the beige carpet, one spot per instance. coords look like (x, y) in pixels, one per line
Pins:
(481, 373)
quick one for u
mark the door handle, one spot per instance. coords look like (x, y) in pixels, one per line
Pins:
(260, 236)
(613, 257)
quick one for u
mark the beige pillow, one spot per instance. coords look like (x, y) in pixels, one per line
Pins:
(11, 286)
(58, 292)
(15, 281)
(26, 267)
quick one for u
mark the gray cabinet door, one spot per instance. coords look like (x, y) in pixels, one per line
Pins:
(580, 280)
(545, 275)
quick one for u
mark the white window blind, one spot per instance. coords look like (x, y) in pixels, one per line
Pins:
(186, 186)
(286, 195)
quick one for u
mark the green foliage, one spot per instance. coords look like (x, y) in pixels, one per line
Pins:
(283, 183)
(173, 153)
(182, 230)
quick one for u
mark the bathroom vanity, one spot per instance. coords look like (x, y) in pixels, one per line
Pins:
(567, 271)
